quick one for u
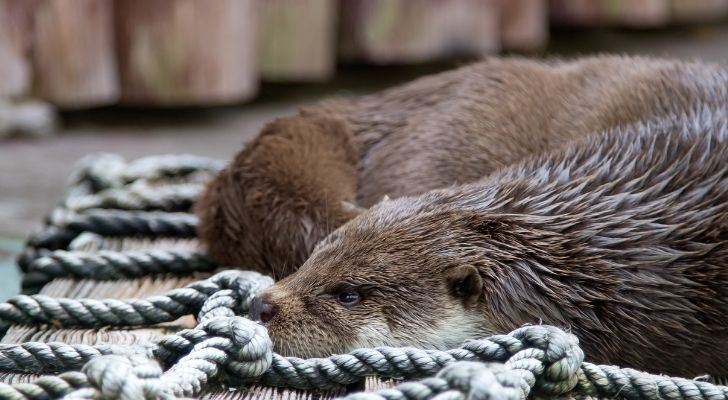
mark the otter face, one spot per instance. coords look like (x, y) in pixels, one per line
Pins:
(381, 279)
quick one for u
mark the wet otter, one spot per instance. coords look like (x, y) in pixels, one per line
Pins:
(307, 174)
(264, 211)
(621, 236)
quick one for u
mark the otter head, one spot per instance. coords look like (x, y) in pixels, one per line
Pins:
(393, 276)
(281, 195)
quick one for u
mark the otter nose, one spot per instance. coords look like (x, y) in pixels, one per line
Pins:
(262, 311)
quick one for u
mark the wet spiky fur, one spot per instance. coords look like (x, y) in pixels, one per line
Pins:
(622, 237)
(588, 194)
(297, 181)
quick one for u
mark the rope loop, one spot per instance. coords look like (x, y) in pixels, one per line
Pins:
(124, 377)
(536, 360)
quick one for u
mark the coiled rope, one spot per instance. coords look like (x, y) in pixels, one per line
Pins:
(143, 197)
(109, 265)
(98, 172)
(111, 197)
(118, 223)
(84, 313)
(226, 347)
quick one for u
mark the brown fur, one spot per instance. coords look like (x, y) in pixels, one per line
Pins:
(622, 237)
(638, 278)
(278, 198)
(261, 212)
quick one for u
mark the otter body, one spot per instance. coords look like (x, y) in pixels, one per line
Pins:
(622, 237)
(588, 194)
(305, 175)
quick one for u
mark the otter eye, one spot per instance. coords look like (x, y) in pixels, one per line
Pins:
(348, 298)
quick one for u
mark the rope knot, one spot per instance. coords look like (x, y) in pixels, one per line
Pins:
(483, 381)
(560, 354)
(250, 351)
(123, 377)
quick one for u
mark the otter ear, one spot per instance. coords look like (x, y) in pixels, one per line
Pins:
(465, 283)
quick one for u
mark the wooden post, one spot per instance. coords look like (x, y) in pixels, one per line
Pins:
(638, 13)
(580, 13)
(590, 13)
(692, 11)
(187, 52)
(524, 24)
(73, 53)
(297, 40)
(385, 31)
(15, 40)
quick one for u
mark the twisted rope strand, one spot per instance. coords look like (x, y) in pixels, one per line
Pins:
(110, 265)
(405, 362)
(169, 166)
(116, 223)
(104, 171)
(536, 359)
(45, 387)
(232, 344)
(466, 379)
(23, 309)
(608, 381)
(169, 198)
(36, 357)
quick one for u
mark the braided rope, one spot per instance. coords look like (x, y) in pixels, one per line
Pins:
(169, 166)
(23, 309)
(407, 362)
(537, 359)
(109, 265)
(45, 387)
(143, 197)
(96, 172)
(465, 380)
(607, 381)
(235, 344)
(116, 223)
(35, 357)
(104, 171)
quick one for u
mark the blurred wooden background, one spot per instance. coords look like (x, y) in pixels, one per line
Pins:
(88, 53)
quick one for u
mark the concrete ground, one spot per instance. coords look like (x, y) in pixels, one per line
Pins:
(33, 173)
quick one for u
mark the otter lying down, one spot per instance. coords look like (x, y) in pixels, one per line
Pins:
(591, 195)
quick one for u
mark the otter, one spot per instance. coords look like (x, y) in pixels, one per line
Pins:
(265, 210)
(621, 236)
(307, 174)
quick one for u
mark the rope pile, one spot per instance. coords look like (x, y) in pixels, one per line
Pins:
(227, 348)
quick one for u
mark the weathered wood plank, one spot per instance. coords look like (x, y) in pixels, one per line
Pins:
(373, 383)
(580, 13)
(524, 24)
(593, 13)
(383, 31)
(270, 393)
(297, 40)
(15, 39)
(691, 11)
(187, 52)
(638, 13)
(73, 53)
